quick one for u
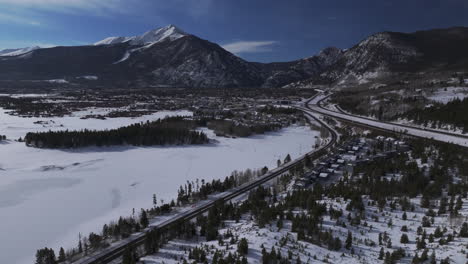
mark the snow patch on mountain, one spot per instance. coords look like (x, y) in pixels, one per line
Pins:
(57, 81)
(88, 77)
(169, 32)
(112, 40)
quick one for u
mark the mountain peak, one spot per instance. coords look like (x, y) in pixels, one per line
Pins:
(170, 32)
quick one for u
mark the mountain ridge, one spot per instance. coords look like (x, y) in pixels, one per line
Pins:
(169, 56)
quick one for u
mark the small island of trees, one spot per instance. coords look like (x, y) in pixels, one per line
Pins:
(168, 131)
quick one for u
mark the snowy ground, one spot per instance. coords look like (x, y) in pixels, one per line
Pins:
(448, 94)
(363, 237)
(48, 196)
(444, 128)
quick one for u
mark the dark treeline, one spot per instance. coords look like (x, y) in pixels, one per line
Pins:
(194, 191)
(231, 128)
(2, 137)
(452, 113)
(351, 102)
(168, 131)
(279, 110)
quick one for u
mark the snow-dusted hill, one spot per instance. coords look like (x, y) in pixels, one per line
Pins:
(17, 52)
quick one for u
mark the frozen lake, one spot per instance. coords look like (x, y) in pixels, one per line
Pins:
(48, 196)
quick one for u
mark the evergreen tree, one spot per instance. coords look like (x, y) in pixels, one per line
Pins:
(415, 259)
(433, 258)
(381, 253)
(144, 222)
(45, 256)
(404, 239)
(464, 230)
(127, 257)
(243, 246)
(80, 245)
(61, 257)
(349, 241)
(155, 201)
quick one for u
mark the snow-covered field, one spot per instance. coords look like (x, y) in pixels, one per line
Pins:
(449, 94)
(48, 196)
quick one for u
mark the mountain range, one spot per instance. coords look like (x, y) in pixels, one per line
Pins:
(170, 57)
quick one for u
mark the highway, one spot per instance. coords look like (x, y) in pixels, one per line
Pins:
(116, 249)
(314, 106)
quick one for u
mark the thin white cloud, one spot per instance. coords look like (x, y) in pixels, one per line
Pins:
(249, 46)
(8, 18)
(194, 8)
(36, 12)
(99, 7)
(84, 4)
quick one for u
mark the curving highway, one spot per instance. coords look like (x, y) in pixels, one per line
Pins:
(314, 106)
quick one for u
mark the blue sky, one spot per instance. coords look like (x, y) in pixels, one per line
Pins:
(256, 30)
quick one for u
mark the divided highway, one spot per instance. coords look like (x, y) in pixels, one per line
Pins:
(314, 106)
(116, 250)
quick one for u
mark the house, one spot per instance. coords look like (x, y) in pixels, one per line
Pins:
(323, 175)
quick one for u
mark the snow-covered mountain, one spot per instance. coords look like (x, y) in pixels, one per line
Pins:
(389, 54)
(169, 32)
(170, 57)
(375, 56)
(17, 52)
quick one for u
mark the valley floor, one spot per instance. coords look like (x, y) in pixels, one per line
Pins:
(48, 197)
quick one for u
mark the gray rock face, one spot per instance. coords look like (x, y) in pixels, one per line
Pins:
(304, 69)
